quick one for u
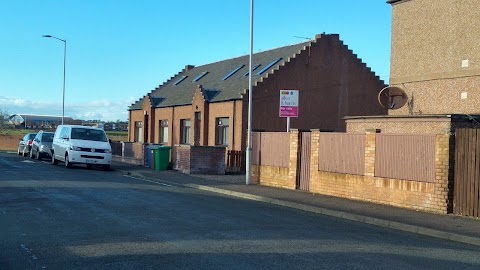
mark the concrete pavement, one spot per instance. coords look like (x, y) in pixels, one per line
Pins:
(448, 227)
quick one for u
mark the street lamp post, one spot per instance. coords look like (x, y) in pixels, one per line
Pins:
(248, 171)
(64, 66)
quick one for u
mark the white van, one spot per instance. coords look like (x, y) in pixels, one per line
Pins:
(74, 144)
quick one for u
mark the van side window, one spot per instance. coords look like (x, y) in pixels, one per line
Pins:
(64, 132)
(57, 133)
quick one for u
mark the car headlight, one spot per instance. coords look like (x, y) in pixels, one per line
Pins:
(75, 148)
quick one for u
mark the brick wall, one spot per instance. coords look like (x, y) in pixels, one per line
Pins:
(425, 196)
(275, 176)
(431, 197)
(183, 158)
(201, 159)
(272, 176)
(347, 87)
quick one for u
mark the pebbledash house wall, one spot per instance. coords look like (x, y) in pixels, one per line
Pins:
(435, 56)
(425, 196)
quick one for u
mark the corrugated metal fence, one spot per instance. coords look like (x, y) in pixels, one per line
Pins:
(466, 198)
(271, 148)
(303, 160)
(342, 153)
(405, 156)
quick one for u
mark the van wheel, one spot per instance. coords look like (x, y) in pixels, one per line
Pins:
(54, 161)
(68, 164)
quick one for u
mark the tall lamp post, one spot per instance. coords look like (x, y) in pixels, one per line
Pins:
(64, 65)
(248, 170)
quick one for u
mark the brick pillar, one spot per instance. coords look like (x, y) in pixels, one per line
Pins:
(442, 200)
(370, 154)
(292, 164)
(314, 181)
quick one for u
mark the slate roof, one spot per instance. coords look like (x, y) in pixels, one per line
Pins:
(214, 88)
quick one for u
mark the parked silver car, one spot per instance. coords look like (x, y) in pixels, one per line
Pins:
(25, 144)
(42, 145)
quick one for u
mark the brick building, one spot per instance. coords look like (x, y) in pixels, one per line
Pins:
(207, 105)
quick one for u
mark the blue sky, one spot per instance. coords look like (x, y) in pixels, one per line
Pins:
(119, 50)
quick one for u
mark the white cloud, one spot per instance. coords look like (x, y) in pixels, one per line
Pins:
(106, 110)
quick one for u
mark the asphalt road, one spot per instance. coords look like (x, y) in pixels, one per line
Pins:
(52, 217)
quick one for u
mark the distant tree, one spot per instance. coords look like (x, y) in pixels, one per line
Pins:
(3, 118)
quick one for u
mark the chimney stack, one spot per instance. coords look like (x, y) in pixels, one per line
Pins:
(319, 36)
(188, 67)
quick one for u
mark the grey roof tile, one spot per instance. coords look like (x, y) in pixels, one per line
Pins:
(216, 89)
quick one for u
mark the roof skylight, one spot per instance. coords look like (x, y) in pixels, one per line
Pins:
(232, 72)
(200, 76)
(268, 66)
(253, 68)
(180, 80)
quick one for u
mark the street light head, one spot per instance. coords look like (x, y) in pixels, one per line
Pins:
(46, 36)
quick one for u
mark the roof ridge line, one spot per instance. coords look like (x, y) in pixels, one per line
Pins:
(244, 55)
(272, 71)
(157, 88)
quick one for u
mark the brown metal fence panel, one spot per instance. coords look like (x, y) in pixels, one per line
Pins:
(405, 156)
(342, 153)
(303, 161)
(271, 148)
(466, 198)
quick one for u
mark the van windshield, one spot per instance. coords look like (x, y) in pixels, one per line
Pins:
(89, 134)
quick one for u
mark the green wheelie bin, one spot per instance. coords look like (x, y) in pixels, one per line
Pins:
(162, 157)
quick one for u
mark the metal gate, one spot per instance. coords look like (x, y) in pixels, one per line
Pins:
(466, 197)
(303, 160)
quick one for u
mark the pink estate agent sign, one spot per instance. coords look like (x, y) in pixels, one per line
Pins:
(288, 103)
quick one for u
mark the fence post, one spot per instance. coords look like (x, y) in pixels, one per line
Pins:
(370, 153)
(292, 164)
(314, 186)
(442, 174)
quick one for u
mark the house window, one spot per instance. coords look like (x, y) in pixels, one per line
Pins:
(164, 131)
(185, 131)
(222, 131)
(138, 132)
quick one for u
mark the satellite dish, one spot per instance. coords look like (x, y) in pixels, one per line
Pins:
(392, 97)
